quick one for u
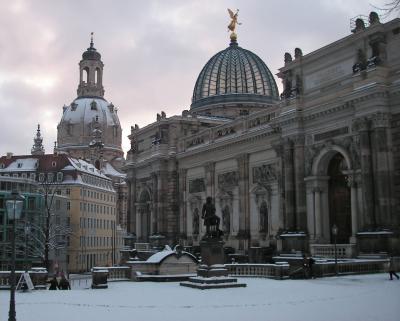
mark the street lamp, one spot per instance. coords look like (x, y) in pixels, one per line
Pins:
(14, 205)
(334, 233)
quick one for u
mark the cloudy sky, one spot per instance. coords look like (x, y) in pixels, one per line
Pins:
(153, 52)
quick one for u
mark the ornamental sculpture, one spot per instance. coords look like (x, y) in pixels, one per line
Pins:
(233, 23)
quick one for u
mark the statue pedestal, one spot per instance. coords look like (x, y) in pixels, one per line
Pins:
(212, 273)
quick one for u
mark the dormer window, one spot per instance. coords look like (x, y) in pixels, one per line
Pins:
(59, 177)
(2, 165)
(54, 164)
(19, 165)
(93, 105)
(73, 106)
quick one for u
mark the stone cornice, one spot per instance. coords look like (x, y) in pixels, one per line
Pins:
(246, 137)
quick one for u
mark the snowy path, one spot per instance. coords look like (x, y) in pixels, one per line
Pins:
(351, 298)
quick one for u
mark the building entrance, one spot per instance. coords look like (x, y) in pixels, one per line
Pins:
(339, 199)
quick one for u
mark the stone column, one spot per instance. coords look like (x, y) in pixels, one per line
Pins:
(317, 212)
(210, 179)
(161, 219)
(244, 201)
(138, 222)
(182, 201)
(300, 190)
(381, 147)
(362, 125)
(131, 215)
(155, 223)
(354, 212)
(310, 208)
(290, 217)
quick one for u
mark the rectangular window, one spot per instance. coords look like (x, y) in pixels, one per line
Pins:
(31, 203)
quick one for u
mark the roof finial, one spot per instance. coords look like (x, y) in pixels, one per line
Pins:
(233, 23)
(91, 39)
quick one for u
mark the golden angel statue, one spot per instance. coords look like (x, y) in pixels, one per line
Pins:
(234, 22)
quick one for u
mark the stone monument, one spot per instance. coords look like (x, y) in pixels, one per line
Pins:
(212, 273)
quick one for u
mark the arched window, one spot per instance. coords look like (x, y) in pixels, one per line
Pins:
(85, 78)
(196, 222)
(263, 217)
(97, 76)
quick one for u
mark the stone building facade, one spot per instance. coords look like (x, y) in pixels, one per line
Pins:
(282, 170)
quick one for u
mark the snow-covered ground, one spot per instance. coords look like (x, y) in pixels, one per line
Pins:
(344, 298)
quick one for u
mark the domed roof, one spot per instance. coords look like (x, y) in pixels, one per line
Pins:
(86, 116)
(234, 75)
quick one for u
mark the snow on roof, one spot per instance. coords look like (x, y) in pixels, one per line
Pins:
(159, 256)
(68, 168)
(21, 164)
(110, 170)
(83, 166)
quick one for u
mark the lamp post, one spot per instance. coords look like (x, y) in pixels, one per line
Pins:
(334, 233)
(27, 233)
(14, 206)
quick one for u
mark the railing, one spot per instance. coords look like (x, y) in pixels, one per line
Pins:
(142, 246)
(119, 273)
(80, 281)
(275, 271)
(350, 267)
(328, 250)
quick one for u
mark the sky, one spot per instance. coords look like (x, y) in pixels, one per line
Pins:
(153, 52)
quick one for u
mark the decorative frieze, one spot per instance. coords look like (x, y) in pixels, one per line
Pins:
(331, 133)
(225, 132)
(259, 121)
(197, 185)
(264, 174)
(195, 141)
(350, 143)
(229, 179)
(380, 120)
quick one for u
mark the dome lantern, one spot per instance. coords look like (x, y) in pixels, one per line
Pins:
(91, 73)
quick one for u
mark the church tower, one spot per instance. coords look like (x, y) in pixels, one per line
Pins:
(91, 73)
(90, 119)
(37, 148)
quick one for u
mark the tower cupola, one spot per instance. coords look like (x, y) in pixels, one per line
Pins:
(37, 148)
(91, 73)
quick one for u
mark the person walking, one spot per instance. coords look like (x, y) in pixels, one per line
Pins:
(64, 284)
(311, 262)
(54, 284)
(392, 269)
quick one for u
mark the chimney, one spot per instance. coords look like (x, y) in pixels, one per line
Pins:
(9, 155)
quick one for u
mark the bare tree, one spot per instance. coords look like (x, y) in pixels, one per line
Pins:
(388, 8)
(51, 231)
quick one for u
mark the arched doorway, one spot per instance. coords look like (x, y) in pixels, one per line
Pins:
(144, 215)
(339, 198)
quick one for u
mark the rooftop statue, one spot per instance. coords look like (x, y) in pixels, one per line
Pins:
(233, 23)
